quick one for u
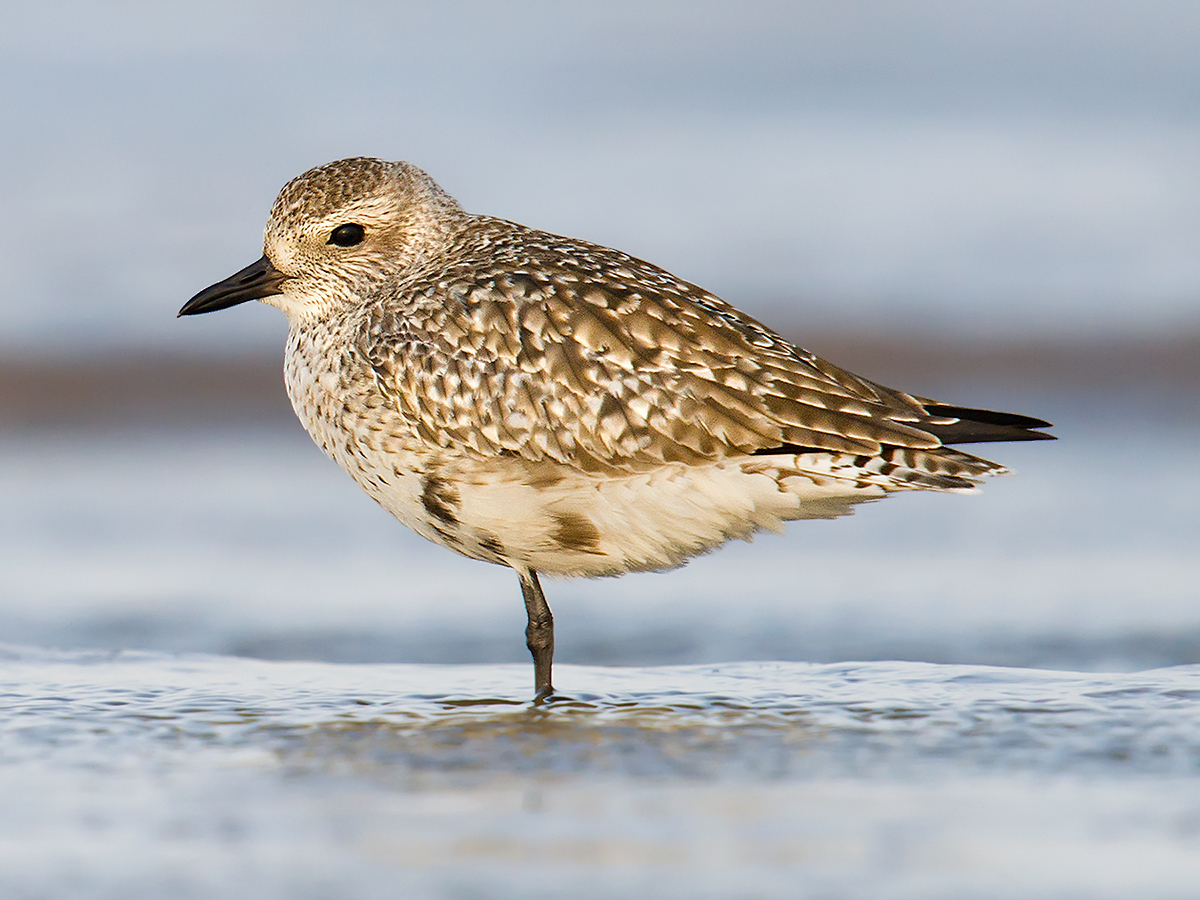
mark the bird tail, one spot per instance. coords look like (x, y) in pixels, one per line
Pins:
(976, 426)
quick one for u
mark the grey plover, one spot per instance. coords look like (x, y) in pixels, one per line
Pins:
(556, 406)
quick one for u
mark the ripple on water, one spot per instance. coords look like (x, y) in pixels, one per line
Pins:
(752, 720)
(141, 776)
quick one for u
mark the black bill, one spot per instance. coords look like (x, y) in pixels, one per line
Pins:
(259, 279)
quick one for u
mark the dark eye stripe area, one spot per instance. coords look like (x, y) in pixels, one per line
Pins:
(347, 235)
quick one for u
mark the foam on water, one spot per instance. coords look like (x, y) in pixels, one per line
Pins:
(143, 775)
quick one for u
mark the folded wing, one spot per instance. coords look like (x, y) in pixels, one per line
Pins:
(568, 351)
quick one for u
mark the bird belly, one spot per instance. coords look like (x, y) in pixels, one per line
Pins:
(562, 521)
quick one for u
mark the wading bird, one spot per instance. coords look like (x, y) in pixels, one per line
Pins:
(556, 406)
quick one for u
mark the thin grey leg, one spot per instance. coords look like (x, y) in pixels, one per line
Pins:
(539, 633)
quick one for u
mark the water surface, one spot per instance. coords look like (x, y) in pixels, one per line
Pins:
(147, 775)
(249, 542)
(228, 674)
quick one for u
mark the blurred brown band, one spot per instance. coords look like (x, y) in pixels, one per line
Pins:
(121, 391)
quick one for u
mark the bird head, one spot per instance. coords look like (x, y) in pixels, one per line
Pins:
(336, 232)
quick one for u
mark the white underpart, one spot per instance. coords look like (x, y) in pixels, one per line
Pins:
(644, 521)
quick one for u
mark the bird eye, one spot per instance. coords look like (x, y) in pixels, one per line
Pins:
(347, 235)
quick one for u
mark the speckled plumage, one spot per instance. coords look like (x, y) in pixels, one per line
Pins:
(557, 406)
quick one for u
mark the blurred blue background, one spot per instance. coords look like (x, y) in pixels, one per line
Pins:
(993, 203)
(985, 169)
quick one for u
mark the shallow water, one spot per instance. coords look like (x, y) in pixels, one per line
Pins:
(148, 775)
(169, 749)
(252, 543)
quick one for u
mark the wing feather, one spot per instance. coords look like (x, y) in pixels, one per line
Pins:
(552, 348)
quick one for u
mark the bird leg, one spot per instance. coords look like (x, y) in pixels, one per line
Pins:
(539, 633)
